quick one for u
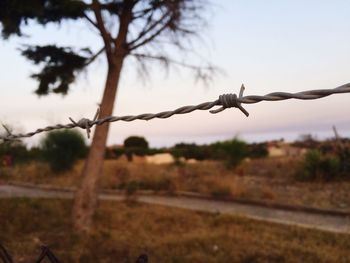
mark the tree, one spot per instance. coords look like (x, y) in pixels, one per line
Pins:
(143, 30)
(136, 141)
(135, 145)
(61, 149)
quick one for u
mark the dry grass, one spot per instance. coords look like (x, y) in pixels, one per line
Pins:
(125, 230)
(270, 179)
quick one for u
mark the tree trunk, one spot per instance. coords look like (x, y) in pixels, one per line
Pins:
(85, 200)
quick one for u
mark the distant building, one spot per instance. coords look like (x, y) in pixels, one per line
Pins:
(283, 149)
(160, 158)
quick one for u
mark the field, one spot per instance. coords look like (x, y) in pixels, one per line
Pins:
(268, 179)
(124, 230)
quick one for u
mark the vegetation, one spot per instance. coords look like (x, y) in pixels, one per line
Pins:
(257, 150)
(135, 145)
(191, 151)
(61, 149)
(325, 166)
(136, 142)
(16, 151)
(166, 235)
(270, 179)
(225, 151)
(231, 152)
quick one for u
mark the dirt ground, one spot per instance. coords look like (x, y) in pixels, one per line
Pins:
(124, 230)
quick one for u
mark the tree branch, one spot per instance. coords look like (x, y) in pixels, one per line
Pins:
(141, 13)
(151, 37)
(101, 27)
(91, 21)
(125, 20)
(93, 58)
(148, 29)
(202, 73)
(167, 60)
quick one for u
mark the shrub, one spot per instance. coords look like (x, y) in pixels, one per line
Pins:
(258, 150)
(231, 151)
(320, 166)
(16, 150)
(345, 161)
(191, 151)
(63, 148)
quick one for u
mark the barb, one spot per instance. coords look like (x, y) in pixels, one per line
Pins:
(86, 123)
(225, 101)
(4, 255)
(231, 100)
(46, 252)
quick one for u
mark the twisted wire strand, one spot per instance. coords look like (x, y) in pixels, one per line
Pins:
(225, 101)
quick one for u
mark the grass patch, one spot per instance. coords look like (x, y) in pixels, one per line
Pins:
(123, 231)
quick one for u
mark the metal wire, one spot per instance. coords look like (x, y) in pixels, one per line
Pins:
(4, 255)
(225, 101)
(46, 253)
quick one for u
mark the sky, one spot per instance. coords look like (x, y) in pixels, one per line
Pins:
(274, 45)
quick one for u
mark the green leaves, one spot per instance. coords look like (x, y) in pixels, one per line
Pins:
(61, 66)
(62, 149)
(16, 13)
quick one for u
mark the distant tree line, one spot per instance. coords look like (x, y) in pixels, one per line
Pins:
(325, 161)
(61, 149)
(230, 151)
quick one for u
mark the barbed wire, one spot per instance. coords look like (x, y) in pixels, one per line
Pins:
(47, 254)
(225, 101)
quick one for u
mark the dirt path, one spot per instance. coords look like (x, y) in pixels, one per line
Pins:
(331, 223)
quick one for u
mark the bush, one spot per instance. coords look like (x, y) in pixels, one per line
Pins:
(231, 151)
(258, 150)
(63, 148)
(191, 151)
(318, 166)
(16, 150)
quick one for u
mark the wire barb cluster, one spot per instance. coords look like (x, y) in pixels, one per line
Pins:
(86, 123)
(225, 101)
(231, 100)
